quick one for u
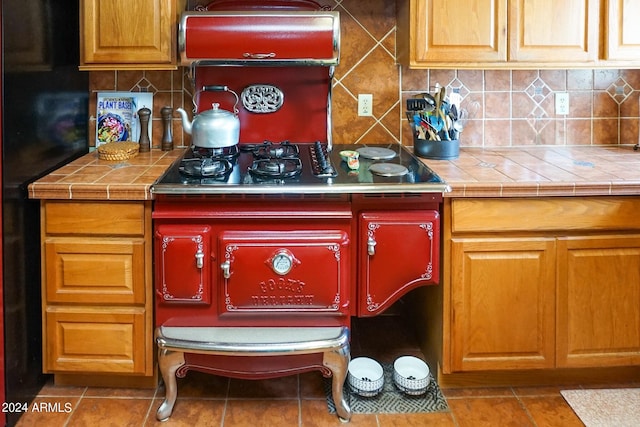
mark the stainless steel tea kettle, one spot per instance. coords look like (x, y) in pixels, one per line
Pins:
(214, 128)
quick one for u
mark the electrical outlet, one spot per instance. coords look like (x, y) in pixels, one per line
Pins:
(562, 103)
(455, 98)
(365, 104)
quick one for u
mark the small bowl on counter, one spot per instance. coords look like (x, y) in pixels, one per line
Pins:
(411, 375)
(365, 376)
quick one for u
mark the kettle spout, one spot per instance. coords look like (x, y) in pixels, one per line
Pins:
(186, 123)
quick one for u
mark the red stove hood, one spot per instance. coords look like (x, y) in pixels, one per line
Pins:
(263, 37)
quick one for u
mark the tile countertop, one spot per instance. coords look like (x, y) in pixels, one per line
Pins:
(89, 178)
(491, 172)
(541, 171)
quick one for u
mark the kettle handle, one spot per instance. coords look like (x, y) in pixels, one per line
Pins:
(222, 88)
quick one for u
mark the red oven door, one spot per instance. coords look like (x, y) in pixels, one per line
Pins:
(398, 251)
(284, 272)
(183, 265)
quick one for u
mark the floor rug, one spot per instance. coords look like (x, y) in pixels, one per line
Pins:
(616, 407)
(391, 400)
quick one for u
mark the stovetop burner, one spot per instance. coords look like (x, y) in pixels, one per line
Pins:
(273, 150)
(206, 167)
(276, 168)
(202, 162)
(228, 153)
(388, 169)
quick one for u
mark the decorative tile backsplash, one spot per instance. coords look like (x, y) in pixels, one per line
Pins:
(514, 108)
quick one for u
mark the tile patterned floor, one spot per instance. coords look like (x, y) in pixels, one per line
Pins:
(205, 400)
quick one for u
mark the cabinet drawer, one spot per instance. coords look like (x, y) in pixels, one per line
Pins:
(121, 218)
(95, 340)
(95, 271)
(545, 214)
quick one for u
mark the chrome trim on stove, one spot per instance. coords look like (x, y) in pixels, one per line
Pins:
(251, 341)
(329, 115)
(302, 188)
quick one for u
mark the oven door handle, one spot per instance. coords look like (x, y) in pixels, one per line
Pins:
(371, 246)
(226, 269)
(250, 55)
(200, 259)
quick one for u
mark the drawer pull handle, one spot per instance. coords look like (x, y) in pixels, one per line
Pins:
(226, 269)
(199, 259)
(371, 246)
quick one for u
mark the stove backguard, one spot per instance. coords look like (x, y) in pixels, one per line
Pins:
(304, 92)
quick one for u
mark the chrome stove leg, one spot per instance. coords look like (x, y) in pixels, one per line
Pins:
(338, 362)
(169, 362)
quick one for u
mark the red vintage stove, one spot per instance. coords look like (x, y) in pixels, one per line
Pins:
(264, 250)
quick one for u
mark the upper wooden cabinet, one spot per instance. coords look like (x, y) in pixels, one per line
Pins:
(518, 33)
(551, 31)
(622, 31)
(452, 31)
(129, 34)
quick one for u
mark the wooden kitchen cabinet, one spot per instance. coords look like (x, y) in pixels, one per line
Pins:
(129, 34)
(598, 301)
(541, 283)
(97, 291)
(398, 252)
(554, 32)
(452, 31)
(514, 33)
(622, 32)
(503, 302)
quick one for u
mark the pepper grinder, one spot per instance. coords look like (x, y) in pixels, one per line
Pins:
(167, 139)
(144, 114)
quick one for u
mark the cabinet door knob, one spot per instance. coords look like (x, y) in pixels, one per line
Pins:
(371, 246)
(226, 269)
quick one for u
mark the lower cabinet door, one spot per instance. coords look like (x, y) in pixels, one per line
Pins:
(598, 301)
(109, 340)
(502, 303)
(398, 251)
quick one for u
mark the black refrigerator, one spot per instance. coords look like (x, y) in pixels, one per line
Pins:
(44, 126)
